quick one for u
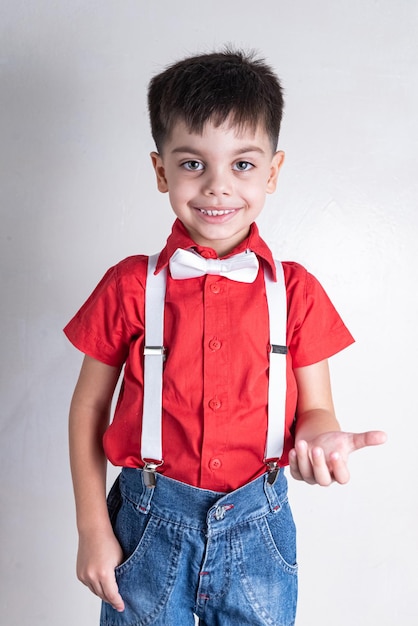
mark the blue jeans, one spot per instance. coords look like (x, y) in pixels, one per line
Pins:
(229, 558)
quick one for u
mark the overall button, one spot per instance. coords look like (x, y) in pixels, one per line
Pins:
(215, 464)
(214, 344)
(215, 404)
(220, 511)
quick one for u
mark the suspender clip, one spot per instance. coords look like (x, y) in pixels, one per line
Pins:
(149, 471)
(273, 471)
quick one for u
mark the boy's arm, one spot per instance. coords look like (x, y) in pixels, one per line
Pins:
(321, 451)
(99, 551)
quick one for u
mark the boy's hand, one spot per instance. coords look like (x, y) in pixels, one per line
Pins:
(324, 459)
(96, 561)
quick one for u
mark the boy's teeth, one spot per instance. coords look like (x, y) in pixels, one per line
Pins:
(214, 212)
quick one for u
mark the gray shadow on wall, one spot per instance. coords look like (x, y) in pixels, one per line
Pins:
(37, 105)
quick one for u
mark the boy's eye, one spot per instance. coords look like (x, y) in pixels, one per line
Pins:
(243, 166)
(193, 166)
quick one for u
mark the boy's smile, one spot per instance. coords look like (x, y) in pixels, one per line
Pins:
(217, 180)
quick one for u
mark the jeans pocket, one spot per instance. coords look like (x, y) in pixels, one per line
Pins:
(266, 561)
(280, 532)
(146, 577)
(134, 531)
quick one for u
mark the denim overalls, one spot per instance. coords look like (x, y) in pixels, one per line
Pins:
(229, 559)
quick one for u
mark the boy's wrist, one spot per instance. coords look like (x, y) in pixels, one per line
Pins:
(93, 521)
(314, 423)
(94, 527)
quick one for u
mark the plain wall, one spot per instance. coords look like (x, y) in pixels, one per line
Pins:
(78, 194)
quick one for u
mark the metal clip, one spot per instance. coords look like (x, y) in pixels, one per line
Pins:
(273, 471)
(275, 349)
(155, 351)
(149, 474)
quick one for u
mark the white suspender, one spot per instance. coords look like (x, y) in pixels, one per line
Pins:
(277, 306)
(154, 354)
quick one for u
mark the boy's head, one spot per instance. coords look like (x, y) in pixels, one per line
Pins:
(217, 87)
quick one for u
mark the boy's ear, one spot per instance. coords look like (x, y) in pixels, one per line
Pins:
(158, 166)
(276, 164)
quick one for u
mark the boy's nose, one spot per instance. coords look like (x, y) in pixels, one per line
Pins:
(217, 184)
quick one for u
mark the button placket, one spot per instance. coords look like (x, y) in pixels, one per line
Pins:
(216, 373)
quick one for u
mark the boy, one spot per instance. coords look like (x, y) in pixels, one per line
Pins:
(223, 386)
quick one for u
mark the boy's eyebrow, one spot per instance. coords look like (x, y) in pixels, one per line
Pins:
(182, 149)
(244, 149)
(250, 149)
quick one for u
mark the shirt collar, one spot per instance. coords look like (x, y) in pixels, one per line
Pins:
(180, 238)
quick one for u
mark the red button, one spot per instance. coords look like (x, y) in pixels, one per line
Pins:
(215, 404)
(215, 288)
(215, 464)
(214, 344)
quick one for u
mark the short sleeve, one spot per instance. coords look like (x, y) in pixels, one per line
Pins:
(315, 328)
(113, 315)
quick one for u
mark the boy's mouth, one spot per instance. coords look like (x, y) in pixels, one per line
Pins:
(215, 212)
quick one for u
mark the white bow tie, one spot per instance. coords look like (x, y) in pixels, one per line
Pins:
(242, 267)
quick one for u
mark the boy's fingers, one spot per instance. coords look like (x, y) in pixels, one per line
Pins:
(369, 438)
(294, 466)
(302, 462)
(106, 589)
(111, 595)
(321, 471)
(316, 467)
(339, 468)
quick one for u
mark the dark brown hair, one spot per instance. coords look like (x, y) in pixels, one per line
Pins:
(227, 84)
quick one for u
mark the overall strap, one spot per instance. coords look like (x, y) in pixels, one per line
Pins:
(154, 355)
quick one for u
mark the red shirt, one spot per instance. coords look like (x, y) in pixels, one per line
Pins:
(216, 372)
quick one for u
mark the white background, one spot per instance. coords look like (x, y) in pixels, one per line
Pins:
(78, 194)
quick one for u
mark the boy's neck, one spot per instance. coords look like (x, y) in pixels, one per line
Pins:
(223, 248)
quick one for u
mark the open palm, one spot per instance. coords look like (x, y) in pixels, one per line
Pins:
(324, 459)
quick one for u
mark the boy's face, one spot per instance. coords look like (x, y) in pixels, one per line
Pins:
(217, 181)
